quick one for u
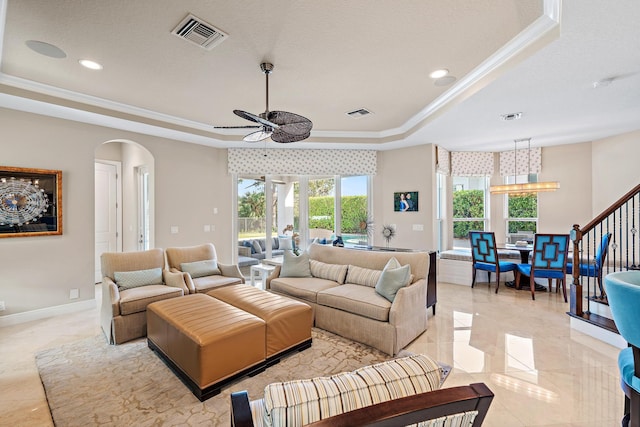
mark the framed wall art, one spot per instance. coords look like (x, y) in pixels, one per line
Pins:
(30, 202)
(405, 201)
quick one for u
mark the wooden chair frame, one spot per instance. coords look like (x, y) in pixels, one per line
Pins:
(396, 412)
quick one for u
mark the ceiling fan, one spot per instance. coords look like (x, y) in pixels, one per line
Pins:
(281, 126)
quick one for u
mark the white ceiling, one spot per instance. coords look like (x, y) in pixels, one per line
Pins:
(536, 57)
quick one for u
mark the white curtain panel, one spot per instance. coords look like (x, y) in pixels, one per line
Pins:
(508, 160)
(257, 161)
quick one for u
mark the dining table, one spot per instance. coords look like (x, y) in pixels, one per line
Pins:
(525, 252)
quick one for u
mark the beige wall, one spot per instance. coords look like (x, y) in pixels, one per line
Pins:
(37, 272)
(616, 163)
(406, 169)
(190, 181)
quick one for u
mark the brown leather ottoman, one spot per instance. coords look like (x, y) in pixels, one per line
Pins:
(208, 343)
(288, 321)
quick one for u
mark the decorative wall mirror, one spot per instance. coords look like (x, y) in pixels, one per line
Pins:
(30, 202)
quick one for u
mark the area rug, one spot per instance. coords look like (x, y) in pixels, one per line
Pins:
(91, 383)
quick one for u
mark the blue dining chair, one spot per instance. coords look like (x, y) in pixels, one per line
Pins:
(594, 269)
(623, 293)
(485, 256)
(549, 261)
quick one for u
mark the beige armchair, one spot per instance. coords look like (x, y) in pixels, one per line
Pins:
(229, 274)
(123, 314)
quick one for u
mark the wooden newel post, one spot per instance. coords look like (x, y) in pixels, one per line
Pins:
(576, 288)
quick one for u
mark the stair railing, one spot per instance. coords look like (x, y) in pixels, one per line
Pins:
(622, 220)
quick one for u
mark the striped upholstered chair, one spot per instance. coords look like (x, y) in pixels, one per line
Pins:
(405, 389)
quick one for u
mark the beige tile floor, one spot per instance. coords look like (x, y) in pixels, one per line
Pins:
(542, 372)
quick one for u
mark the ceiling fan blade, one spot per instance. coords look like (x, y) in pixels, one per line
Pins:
(291, 123)
(284, 137)
(254, 118)
(237, 127)
(257, 136)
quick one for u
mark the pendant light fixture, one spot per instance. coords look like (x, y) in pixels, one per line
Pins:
(528, 187)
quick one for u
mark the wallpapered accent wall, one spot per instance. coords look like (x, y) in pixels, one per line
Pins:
(301, 162)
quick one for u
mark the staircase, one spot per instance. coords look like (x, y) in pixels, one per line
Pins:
(589, 309)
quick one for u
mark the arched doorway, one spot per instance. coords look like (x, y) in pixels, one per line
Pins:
(124, 188)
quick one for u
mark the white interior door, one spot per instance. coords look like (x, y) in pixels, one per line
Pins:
(107, 212)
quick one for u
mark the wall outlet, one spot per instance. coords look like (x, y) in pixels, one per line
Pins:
(213, 227)
(74, 293)
(2, 307)
(418, 227)
(215, 211)
(174, 229)
(207, 228)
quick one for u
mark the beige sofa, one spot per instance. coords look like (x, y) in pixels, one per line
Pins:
(355, 310)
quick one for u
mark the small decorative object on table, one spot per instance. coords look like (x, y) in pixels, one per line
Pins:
(388, 232)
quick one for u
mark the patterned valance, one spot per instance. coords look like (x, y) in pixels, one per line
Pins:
(443, 161)
(471, 163)
(508, 160)
(301, 162)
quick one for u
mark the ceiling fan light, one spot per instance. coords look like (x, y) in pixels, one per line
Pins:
(257, 136)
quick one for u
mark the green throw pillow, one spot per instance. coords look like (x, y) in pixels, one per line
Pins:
(295, 266)
(135, 279)
(207, 267)
(394, 276)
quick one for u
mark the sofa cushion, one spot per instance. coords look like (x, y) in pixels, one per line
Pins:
(135, 300)
(304, 288)
(301, 402)
(249, 244)
(393, 277)
(363, 276)
(335, 272)
(356, 299)
(207, 267)
(295, 266)
(206, 283)
(137, 278)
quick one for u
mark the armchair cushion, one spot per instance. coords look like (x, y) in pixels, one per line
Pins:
(301, 402)
(394, 276)
(137, 278)
(207, 267)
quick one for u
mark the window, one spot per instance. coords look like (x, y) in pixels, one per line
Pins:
(521, 211)
(355, 221)
(470, 207)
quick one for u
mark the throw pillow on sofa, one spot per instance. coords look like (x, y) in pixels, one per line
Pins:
(196, 269)
(335, 272)
(363, 276)
(295, 266)
(135, 279)
(394, 276)
(256, 247)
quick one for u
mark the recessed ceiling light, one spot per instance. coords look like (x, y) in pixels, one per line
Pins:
(46, 49)
(444, 81)
(511, 116)
(92, 65)
(439, 73)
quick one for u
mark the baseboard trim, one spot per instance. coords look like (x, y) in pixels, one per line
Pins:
(43, 313)
(598, 333)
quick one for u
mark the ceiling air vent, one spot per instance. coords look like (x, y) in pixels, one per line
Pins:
(360, 112)
(199, 32)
